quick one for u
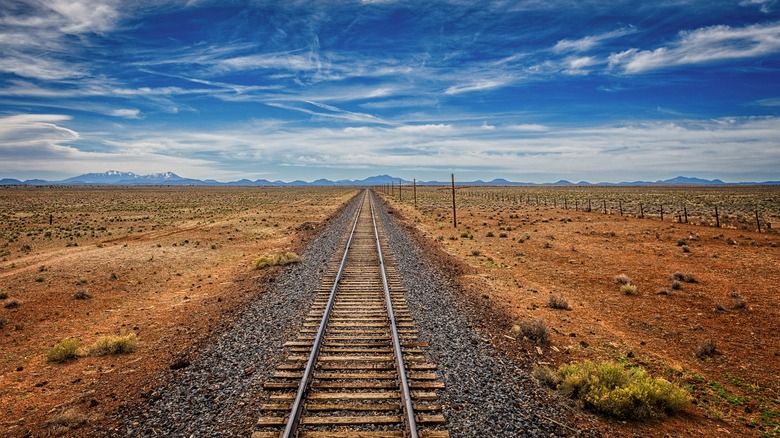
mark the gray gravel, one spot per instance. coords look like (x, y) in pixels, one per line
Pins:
(217, 394)
(487, 393)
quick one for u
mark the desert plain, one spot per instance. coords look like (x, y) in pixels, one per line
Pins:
(173, 265)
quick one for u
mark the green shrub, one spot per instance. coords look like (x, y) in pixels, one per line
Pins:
(65, 350)
(609, 388)
(278, 260)
(113, 344)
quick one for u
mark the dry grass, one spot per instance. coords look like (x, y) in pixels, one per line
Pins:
(707, 348)
(66, 421)
(278, 260)
(536, 330)
(558, 302)
(65, 350)
(114, 344)
(622, 279)
(629, 289)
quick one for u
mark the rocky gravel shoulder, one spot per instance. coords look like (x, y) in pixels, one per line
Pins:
(489, 393)
(217, 393)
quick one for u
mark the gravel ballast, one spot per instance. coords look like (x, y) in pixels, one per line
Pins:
(488, 393)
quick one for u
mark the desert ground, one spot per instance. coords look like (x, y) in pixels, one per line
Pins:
(171, 265)
(174, 265)
(517, 253)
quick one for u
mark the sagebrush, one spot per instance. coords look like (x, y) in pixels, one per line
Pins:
(609, 388)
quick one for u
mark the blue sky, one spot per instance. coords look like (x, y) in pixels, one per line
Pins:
(536, 90)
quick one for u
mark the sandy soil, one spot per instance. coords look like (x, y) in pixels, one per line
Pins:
(171, 265)
(536, 252)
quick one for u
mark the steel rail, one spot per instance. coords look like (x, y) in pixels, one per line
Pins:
(399, 359)
(297, 406)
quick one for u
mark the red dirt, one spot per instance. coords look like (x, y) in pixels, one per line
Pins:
(174, 277)
(734, 302)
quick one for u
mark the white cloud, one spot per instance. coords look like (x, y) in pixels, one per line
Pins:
(529, 127)
(433, 129)
(24, 130)
(478, 85)
(701, 46)
(579, 65)
(126, 113)
(591, 41)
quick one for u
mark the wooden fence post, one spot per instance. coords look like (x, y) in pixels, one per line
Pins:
(620, 205)
(685, 211)
(662, 213)
(400, 182)
(415, 192)
(641, 211)
(717, 218)
(758, 222)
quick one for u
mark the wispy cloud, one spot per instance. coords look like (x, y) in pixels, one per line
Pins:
(127, 113)
(477, 85)
(589, 42)
(703, 46)
(324, 110)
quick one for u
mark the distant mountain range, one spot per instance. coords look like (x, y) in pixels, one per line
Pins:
(116, 178)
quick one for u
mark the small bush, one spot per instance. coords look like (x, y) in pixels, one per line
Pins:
(3, 295)
(706, 349)
(558, 302)
(81, 295)
(13, 304)
(523, 238)
(546, 376)
(687, 278)
(622, 279)
(65, 350)
(536, 331)
(278, 260)
(489, 234)
(475, 252)
(629, 289)
(464, 235)
(676, 285)
(609, 388)
(112, 344)
(3, 322)
(741, 305)
(502, 235)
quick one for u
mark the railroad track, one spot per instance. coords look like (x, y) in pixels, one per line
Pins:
(357, 368)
